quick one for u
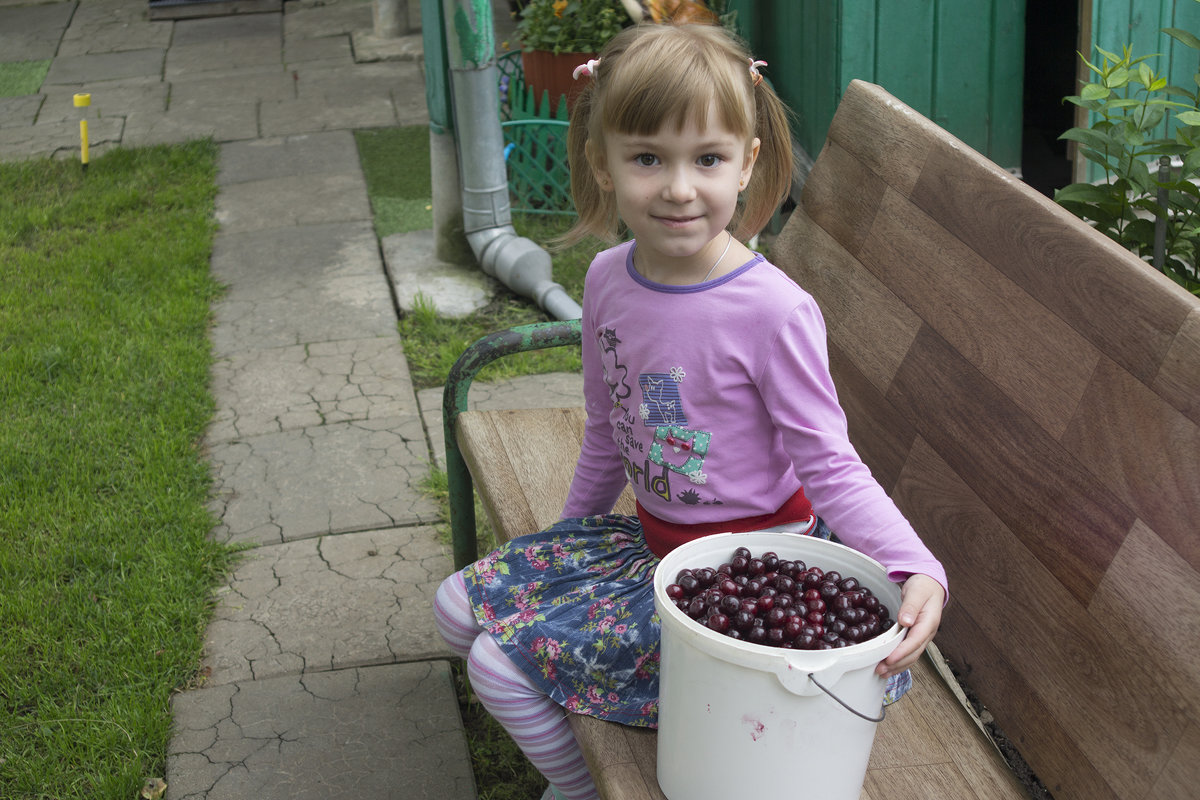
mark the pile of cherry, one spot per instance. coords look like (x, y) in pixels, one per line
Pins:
(780, 603)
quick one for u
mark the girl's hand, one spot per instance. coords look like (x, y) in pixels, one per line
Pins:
(921, 600)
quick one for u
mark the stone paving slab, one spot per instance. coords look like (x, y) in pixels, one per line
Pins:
(335, 110)
(106, 101)
(298, 285)
(192, 60)
(293, 201)
(20, 112)
(97, 68)
(328, 52)
(297, 484)
(456, 290)
(250, 31)
(223, 123)
(304, 154)
(551, 390)
(59, 138)
(372, 732)
(112, 28)
(211, 89)
(278, 389)
(340, 307)
(335, 602)
(318, 18)
(32, 32)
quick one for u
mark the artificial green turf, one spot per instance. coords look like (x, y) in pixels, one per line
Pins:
(396, 165)
(18, 78)
(106, 569)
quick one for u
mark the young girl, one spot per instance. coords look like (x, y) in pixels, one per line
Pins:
(707, 388)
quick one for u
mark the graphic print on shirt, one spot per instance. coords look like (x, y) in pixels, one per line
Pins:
(615, 373)
(675, 448)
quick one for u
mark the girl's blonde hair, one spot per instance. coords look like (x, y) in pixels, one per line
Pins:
(649, 76)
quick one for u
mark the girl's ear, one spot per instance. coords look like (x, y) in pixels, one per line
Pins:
(748, 163)
(599, 165)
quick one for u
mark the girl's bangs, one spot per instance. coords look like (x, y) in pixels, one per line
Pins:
(644, 97)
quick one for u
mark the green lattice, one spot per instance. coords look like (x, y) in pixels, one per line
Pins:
(539, 180)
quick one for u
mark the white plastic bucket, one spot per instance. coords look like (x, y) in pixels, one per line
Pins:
(736, 717)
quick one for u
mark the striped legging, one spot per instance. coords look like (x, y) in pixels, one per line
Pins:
(535, 722)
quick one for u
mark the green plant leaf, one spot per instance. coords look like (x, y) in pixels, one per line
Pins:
(1117, 78)
(1095, 139)
(1189, 117)
(1140, 232)
(1081, 193)
(1095, 91)
(1180, 35)
(1145, 74)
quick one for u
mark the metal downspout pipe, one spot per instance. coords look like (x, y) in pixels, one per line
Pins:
(515, 261)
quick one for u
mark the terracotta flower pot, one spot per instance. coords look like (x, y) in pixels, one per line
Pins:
(548, 72)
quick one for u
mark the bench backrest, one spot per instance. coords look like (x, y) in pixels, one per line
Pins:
(1029, 392)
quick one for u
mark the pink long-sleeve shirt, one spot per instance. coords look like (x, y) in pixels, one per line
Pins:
(715, 402)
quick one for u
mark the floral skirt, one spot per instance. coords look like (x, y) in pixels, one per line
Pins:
(573, 607)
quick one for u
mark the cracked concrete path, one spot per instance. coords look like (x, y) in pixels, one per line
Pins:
(377, 732)
(326, 604)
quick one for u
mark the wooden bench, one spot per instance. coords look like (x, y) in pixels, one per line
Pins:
(1029, 393)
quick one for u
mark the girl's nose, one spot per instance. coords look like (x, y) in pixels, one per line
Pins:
(679, 187)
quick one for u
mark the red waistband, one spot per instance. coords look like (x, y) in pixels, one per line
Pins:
(662, 537)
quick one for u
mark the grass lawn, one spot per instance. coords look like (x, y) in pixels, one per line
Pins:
(106, 571)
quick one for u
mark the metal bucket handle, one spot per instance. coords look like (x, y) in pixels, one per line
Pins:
(846, 705)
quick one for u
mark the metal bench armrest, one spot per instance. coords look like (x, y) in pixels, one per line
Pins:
(518, 339)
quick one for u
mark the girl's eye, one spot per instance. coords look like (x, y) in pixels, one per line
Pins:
(710, 160)
(645, 159)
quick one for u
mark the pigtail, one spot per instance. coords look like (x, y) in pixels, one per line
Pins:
(595, 208)
(771, 181)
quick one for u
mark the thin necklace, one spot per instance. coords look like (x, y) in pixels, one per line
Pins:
(724, 252)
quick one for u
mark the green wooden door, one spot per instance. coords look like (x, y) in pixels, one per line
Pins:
(959, 62)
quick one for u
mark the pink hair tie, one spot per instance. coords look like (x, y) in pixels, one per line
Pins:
(587, 70)
(754, 73)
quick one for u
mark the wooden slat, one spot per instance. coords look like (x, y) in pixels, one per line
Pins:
(1178, 381)
(1123, 306)
(859, 311)
(1121, 717)
(884, 134)
(526, 459)
(1182, 774)
(980, 312)
(879, 433)
(1063, 514)
(1161, 627)
(841, 194)
(1145, 452)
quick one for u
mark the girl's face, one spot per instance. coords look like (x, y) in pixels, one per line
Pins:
(677, 191)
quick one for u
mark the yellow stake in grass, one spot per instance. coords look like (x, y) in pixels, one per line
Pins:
(83, 100)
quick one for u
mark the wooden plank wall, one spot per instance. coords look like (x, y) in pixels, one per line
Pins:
(1030, 394)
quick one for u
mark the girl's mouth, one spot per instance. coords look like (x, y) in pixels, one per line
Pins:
(676, 222)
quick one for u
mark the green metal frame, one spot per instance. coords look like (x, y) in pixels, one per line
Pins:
(519, 339)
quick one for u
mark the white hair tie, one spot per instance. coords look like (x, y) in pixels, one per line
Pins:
(587, 70)
(754, 73)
